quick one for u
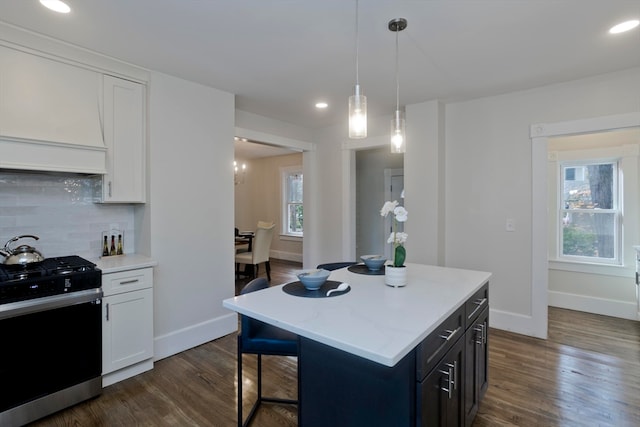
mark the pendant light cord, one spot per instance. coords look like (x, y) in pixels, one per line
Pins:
(397, 76)
(357, 47)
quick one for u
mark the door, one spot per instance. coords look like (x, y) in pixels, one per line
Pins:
(440, 394)
(393, 189)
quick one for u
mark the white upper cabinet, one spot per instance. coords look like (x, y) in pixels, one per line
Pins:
(124, 136)
(45, 100)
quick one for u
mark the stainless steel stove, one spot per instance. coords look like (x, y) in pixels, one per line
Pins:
(51, 334)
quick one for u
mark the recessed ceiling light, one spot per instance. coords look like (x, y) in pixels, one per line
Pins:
(321, 105)
(624, 26)
(56, 6)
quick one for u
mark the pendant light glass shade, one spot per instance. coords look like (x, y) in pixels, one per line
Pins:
(357, 102)
(398, 134)
(357, 115)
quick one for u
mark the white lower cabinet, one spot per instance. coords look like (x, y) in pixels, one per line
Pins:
(127, 324)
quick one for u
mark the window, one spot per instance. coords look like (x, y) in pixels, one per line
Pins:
(590, 214)
(292, 211)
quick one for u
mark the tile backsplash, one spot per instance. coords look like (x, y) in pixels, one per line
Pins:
(61, 210)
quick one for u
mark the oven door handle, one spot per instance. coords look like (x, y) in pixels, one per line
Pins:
(36, 305)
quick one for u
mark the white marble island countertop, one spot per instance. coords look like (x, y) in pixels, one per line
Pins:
(372, 320)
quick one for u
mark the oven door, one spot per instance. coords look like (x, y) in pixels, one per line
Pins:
(48, 345)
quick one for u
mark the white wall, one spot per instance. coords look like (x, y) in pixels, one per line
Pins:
(486, 179)
(489, 180)
(190, 212)
(424, 183)
(324, 222)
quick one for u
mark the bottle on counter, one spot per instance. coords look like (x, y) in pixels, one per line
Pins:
(105, 247)
(113, 245)
(119, 249)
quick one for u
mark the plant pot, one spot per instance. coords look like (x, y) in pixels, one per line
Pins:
(395, 276)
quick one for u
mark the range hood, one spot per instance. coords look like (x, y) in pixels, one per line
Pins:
(50, 118)
(50, 156)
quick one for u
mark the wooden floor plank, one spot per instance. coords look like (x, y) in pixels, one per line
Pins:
(586, 374)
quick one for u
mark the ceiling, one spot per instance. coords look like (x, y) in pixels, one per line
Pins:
(281, 56)
(248, 150)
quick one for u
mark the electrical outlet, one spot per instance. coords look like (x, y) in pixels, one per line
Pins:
(510, 225)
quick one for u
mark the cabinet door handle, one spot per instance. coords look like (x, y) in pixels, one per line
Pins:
(109, 188)
(479, 339)
(107, 309)
(485, 326)
(454, 378)
(450, 334)
(451, 380)
(128, 282)
(637, 282)
(479, 303)
(448, 375)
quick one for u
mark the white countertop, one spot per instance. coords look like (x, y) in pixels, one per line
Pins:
(113, 264)
(373, 321)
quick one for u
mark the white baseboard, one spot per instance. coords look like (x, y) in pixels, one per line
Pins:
(192, 336)
(287, 256)
(128, 372)
(606, 307)
(514, 322)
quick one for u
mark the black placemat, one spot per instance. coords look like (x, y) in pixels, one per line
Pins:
(297, 289)
(363, 269)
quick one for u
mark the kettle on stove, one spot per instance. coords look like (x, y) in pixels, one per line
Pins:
(23, 254)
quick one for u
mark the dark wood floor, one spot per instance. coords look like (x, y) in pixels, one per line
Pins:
(586, 374)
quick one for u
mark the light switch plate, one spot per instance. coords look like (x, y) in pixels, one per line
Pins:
(510, 225)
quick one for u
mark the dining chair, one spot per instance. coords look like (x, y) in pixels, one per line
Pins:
(336, 265)
(260, 338)
(259, 252)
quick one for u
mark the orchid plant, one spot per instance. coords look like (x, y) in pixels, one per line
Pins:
(397, 238)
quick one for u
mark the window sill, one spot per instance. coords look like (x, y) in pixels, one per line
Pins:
(587, 268)
(291, 237)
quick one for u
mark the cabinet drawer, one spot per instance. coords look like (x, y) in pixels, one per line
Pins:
(476, 304)
(431, 350)
(127, 281)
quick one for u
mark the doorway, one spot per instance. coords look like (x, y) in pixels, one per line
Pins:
(373, 178)
(540, 134)
(258, 186)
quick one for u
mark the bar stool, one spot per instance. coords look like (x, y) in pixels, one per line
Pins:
(260, 338)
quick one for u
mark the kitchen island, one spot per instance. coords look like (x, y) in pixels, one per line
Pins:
(364, 355)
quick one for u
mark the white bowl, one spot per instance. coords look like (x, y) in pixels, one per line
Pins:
(373, 262)
(313, 279)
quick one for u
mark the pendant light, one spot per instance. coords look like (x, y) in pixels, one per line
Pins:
(398, 134)
(357, 102)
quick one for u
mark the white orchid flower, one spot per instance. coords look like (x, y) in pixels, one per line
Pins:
(401, 213)
(388, 207)
(401, 237)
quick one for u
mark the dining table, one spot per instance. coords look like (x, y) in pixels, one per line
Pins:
(245, 238)
(359, 349)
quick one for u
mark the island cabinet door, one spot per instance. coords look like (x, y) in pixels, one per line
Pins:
(440, 394)
(476, 365)
(337, 388)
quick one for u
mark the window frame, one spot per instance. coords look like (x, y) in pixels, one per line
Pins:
(629, 153)
(618, 199)
(285, 173)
